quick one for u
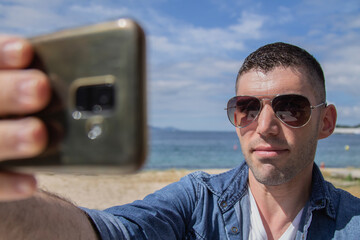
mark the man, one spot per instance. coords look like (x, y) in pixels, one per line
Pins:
(279, 112)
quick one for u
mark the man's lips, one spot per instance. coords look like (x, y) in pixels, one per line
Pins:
(269, 151)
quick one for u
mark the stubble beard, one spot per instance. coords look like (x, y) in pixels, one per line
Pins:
(276, 175)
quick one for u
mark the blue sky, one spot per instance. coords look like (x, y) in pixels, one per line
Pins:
(195, 47)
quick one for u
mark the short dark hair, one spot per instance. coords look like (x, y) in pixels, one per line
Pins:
(285, 55)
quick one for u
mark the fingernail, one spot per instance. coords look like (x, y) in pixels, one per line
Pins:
(25, 136)
(12, 53)
(26, 90)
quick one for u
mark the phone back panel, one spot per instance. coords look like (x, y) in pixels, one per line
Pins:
(97, 114)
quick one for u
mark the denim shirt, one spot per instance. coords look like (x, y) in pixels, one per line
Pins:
(203, 206)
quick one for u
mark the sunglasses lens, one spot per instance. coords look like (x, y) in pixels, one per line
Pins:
(293, 110)
(243, 110)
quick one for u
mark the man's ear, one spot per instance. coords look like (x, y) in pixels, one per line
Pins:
(328, 121)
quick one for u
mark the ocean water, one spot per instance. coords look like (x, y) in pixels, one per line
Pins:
(198, 150)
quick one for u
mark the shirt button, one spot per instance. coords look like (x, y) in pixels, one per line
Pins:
(223, 204)
(234, 229)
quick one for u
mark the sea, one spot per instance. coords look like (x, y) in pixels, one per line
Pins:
(178, 149)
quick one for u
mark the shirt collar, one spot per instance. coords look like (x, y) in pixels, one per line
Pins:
(320, 195)
(231, 186)
(228, 186)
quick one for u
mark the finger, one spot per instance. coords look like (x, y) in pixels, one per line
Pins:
(16, 186)
(23, 91)
(15, 52)
(22, 138)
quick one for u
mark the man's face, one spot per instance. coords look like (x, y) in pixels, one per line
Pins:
(275, 152)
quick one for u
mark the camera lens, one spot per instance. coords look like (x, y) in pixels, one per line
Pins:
(95, 98)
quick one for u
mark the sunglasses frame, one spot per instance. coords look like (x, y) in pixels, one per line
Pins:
(265, 97)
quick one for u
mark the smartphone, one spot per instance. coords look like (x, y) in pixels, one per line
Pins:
(96, 119)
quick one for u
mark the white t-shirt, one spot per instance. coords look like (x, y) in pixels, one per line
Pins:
(257, 230)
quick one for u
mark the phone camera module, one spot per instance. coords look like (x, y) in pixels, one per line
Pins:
(95, 98)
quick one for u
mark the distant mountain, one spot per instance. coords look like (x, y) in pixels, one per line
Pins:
(347, 126)
(167, 129)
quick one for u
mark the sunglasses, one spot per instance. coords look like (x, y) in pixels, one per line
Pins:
(291, 109)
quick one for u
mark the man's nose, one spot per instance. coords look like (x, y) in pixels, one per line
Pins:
(267, 122)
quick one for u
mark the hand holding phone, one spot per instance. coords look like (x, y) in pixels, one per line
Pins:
(23, 137)
(97, 115)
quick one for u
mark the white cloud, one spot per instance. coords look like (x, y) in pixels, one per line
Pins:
(99, 10)
(285, 15)
(249, 26)
(206, 74)
(35, 17)
(184, 40)
(36, 3)
(26, 19)
(346, 114)
(342, 64)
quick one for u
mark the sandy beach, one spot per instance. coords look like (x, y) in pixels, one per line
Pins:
(103, 191)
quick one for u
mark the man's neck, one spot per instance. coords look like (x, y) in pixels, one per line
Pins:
(279, 205)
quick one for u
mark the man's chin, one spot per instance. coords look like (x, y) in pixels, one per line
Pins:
(270, 175)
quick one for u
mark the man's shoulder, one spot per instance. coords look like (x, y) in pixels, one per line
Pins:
(338, 201)
(338, 217)
(345, 205)
(347, 216)
(343, 197)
